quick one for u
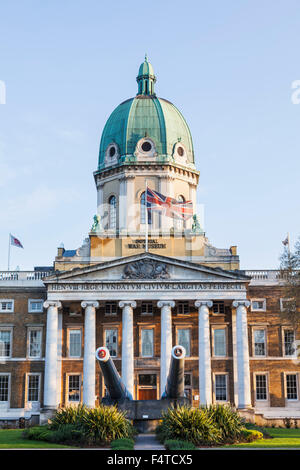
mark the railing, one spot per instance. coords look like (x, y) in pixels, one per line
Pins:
(268, 274)
(23, 275)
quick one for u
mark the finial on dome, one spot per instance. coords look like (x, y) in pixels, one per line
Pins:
(146, 78)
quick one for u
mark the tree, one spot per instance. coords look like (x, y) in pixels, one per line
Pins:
(290, 273)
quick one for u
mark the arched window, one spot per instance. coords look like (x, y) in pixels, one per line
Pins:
(143, 210)
(179, 224)
(112, 202)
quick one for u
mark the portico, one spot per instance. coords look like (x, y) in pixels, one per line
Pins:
(165, 284)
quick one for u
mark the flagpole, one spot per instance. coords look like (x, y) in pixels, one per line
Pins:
(8, 261)
(146, 231)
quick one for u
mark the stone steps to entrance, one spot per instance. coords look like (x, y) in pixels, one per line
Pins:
(147, 442)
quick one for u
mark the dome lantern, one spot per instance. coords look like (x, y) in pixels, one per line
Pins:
(146, 78)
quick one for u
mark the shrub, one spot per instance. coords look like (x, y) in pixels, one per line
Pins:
(251, 435)
(82, 425)
(37, 433)
(227, 420)
(189, 424)
(106, 423)
(122, 444)
(69, 415)
(176, 444)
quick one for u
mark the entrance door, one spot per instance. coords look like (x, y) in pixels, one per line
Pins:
(147, 386)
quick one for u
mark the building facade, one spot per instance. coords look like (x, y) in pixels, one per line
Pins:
(139, 299)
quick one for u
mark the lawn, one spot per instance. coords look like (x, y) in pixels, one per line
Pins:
(283, 438)
(12, 439)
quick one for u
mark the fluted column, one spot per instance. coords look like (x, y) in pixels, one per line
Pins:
(166, 340)
(205, 391)
(127, 307)
(242, 354)
(50, 377)
(89, 367)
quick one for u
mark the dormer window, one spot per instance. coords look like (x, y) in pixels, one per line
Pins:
(112, 151)
(146, 146)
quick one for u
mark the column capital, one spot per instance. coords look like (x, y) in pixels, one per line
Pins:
(204, 303)
(241, 303)
(52, 303)
(166, 303)
(127, 303)
(89, 303)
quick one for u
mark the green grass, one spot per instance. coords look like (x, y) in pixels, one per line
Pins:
(283, 438)
(12, 438)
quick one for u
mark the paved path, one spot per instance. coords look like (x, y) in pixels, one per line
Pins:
(147, 442)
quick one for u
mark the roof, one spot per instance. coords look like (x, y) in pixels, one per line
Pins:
(146, 116)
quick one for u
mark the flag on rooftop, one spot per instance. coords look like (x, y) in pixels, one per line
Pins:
(15, 242)
(169, 206)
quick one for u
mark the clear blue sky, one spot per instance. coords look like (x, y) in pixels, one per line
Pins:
(227, 65)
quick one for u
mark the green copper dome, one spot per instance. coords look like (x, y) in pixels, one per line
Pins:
(146, 128)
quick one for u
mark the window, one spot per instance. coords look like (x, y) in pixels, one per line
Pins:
(183, 308)
(221, 387)
(188, 386)
(6, 306)
(287, 304)
(34, 342)
(147, 342)
(111, 341)
(112, 202)
(74, 384)
(4, 387)
(258, 305)
(75, 343)
(219, 339)
(259, 342)
(5, 343)
(261, 386)
(179, 223)
(33, 387)
(291, 387)
(184, 339)
(143, 210)
(218, 307)
(147, 308)
(35, 305)
(289, 338)
(111, 308)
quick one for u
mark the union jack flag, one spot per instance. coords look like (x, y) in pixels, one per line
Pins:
(169, 206)
(15, 242)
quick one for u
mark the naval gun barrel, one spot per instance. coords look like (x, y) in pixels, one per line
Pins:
(175, 381)
(113, 382)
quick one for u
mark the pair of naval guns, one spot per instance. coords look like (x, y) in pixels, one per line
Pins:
(116, 388)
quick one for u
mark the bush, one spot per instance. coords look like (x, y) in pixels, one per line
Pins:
(85, 426)
(38, 433)
(122, 444)
(176, 444)
(69, 415)
(189, 424)
(105, 424)
(251, 435)
(227, 420)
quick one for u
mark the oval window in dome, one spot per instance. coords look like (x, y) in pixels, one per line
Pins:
(112, 151)
(180, 151)
(146, 146)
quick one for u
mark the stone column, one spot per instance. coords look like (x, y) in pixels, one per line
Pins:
(242, 354)
(127, 307)
(50, 376)
(89, 366)
(205, 390)
(166, 340)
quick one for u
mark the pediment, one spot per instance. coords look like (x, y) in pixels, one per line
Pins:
(145, 267)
